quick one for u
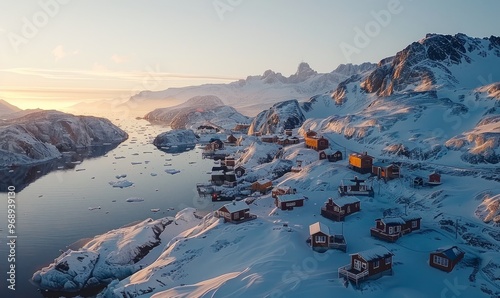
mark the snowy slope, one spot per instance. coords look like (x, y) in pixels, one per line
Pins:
(420, 105)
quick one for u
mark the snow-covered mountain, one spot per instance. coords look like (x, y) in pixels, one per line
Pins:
(255, 93)
(197, 111)
(7, 108)
(436, 99)
(282, 115)
(42, 136)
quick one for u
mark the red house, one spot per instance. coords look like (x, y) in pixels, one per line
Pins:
(392, 228)
(235, 212)
(321, 240)
(262, 185)
(385, 171)
(446, 258)
(338, 209)
(434, 179)
(287, 202)
(368, 264)
(229, 161)
(319, 235)
(282, 190)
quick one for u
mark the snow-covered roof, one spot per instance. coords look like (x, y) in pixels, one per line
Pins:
(346, 200)
(290, 197)
(374, 253)
(318, 227)
(283, 187)
(410, 217)
(393, 221)
(451, 252)
(235, 206)
(263, 181)
(383, 164)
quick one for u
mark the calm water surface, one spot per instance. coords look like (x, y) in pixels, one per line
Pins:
(53, 211)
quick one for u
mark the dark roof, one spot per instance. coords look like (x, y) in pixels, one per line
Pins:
(451, 252)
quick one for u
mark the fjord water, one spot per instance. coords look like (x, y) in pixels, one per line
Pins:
(54, 211)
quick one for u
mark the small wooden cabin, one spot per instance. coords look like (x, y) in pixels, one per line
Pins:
(330, 155)
(361, 163)
(282, 190)
(269, 139)
(385, 171)
(434, 179)
(214, 145)
(218, 177)
(392, 228)
(319, 234)
(230, 179)
(287, 202)
(338, 209)
(446, 258)
(235, 212)
(229, 161)
(321, 240)
(241, 127)
(316, 143)
(288, 132)
(262, 185)
(368, 264)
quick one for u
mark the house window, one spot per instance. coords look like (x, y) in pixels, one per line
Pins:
(363, 265)
(398, 229)
(320, 239)
(348, 209)
(336, 209)
(388, 260)
(376, 264)
(391, 230)
(440, 261)
(413, 224)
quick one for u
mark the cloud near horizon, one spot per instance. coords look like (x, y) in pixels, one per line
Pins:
(99, 71)
(59, 52)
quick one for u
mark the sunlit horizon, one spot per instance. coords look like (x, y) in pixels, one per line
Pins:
(170, 44)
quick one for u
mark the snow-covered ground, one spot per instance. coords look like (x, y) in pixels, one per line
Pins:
(433, 114)
(269, 257)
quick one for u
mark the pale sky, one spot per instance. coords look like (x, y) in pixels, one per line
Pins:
(55, 53)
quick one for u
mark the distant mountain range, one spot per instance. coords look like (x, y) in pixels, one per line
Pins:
(255, 93)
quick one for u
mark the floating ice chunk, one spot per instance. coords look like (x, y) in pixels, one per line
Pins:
(155, 209)
(134, 199)
(154, 174)
(121, 183)
(136, 162)
(172, 171)
(121, 176)
(94, 208)
(119, 157)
